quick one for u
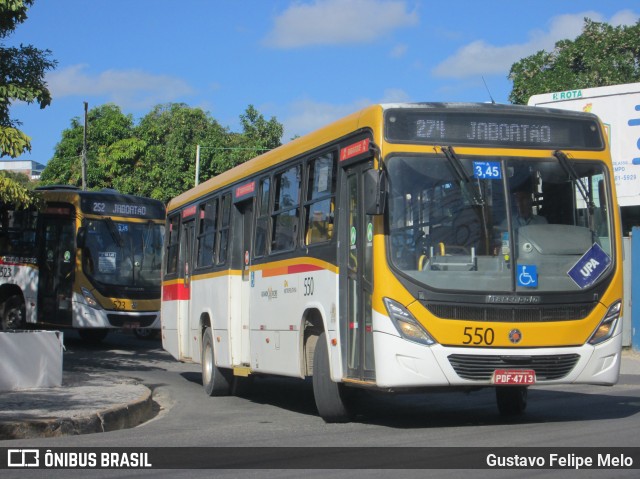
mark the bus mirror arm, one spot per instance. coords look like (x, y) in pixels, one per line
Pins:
(81, 237)
(375, 191)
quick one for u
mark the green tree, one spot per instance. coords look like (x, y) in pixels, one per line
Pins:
(171, 133)
(156, 158)
(601, 55)
(258, 135)
(111, 145)
(22, 72)
(15, 189)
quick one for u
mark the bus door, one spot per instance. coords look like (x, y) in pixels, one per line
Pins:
(186, 263)
(246, 212)
(57, 266)
(356, 273)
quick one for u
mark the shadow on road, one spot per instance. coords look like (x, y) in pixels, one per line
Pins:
(118, 352)
(447, 408)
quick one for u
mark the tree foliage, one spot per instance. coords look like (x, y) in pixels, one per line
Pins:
(601, 55)
(15, 189)
(108, 127)
(156, 157)
(22, 72)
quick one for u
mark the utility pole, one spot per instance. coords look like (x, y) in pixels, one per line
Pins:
(197, 164)
(84, 149)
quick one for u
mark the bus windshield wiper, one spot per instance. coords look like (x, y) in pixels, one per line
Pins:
(461, 174)
(113, 231)
(473, 190)
(573, 175)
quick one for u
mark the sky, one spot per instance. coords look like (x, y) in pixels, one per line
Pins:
(304, 62)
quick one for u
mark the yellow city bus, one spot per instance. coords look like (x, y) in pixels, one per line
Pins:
(89, 260)
(391, 251)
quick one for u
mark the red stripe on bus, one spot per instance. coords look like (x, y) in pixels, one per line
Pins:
(176, 292)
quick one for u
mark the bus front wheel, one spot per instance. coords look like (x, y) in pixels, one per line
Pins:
(13, 315)
(216, 381)
(512, 400)
(331, 397)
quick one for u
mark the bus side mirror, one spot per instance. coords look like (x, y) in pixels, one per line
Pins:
(375, 191)
(81, 237)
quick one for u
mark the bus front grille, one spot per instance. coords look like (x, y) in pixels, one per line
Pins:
(481, 368)
(511, 314)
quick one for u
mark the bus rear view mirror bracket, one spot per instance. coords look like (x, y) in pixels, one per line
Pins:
(375, 191)
(81, 237)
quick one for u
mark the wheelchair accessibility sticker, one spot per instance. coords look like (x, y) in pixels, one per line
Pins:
(590, 267)
(528, 275)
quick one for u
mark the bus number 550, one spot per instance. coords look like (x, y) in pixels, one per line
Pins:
(308, 286)
(478, 336)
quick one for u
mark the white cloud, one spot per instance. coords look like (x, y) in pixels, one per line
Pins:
(481, 58)
(395, 95)
(307, 115)
(129, 89)
(624, 17)
(338, 22)
(398, 51)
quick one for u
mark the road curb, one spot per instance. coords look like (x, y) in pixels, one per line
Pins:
(122, 416)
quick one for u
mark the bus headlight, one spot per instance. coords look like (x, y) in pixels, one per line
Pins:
(90, 299)
(406, 324)
(608, 324)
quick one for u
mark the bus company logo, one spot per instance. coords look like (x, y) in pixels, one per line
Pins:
(515, 336)
(289, 290)
(513, 299)
(23, 458)
(269, 294)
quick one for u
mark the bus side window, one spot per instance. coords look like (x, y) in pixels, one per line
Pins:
(173, 245)
(262, 222)
(286, 209)
(319, 206)
(207, 233)
(223, 228)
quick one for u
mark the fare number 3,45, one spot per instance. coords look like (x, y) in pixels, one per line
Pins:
(478, 336)
(308, 286)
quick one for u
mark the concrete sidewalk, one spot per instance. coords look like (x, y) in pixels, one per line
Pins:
(84, 404)
(90, 403)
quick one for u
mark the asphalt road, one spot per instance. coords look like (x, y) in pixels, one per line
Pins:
(280, 412)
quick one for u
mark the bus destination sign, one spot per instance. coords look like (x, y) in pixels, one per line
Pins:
(114, 205)
(509, 130)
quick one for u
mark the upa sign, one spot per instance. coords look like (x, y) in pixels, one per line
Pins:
(618, 107)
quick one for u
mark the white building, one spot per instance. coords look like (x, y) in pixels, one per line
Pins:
(32, 169)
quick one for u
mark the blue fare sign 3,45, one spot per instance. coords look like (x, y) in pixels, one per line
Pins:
(590, 266)
(489, 170)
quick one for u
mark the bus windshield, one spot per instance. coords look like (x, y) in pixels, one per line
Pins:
(499, 224)
(123, 254)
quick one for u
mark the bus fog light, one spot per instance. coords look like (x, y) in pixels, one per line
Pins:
(608, 325)
(90, 299)
(406, 324)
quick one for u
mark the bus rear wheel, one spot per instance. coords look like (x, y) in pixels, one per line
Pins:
(216, 381)
(13, 315)
(331, 397)
(512, 401)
